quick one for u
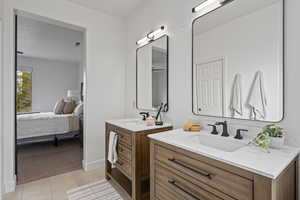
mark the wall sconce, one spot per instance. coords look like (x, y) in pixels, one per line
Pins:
(144, 40)
(150, 36)
(209, 5)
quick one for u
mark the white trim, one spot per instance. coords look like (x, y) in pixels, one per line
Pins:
(1, 112)
(8, 87)
(10, 186)
(93, 165)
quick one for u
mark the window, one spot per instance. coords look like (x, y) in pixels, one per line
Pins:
(24, 91)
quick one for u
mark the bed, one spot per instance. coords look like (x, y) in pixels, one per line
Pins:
(45, 124)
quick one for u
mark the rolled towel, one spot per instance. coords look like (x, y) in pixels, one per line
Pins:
(112, 156)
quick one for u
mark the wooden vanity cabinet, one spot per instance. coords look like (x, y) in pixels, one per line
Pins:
(131, 174)
(177, 174)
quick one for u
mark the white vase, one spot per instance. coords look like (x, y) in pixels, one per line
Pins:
(277, 142)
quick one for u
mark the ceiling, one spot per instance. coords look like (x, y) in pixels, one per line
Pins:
(40, 39)
(121, 8)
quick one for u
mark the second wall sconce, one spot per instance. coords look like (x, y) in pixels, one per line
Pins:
(209, 5)
(150, 36)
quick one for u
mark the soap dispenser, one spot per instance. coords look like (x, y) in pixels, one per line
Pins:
(150, 121)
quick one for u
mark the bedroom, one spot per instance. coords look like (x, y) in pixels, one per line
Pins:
(49, 106)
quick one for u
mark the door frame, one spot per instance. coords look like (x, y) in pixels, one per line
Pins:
(83, 84)
(15, 74)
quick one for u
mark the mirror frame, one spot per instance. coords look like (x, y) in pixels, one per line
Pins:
(136, 55)
(283, 69)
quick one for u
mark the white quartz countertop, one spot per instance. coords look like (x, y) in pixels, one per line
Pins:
(135, 125)
(248, 157)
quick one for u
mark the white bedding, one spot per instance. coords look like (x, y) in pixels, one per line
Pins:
(43, 124)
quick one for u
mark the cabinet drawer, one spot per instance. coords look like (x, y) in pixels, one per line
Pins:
(169, 184)
(224, 181)
(124, 166)
(124, 152)
(124, 138)
(163, 192)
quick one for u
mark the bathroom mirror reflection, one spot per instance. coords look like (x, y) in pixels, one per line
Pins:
(152, 75)
(238, 61)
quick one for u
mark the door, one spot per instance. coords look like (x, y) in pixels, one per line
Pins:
(209, 88)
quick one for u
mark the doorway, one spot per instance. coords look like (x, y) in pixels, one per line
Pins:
(49, 97)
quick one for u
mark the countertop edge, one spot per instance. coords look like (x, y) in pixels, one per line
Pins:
(258, 172)
(118, 124)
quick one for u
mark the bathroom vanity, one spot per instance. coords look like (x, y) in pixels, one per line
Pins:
(198, 166)
(132, 171)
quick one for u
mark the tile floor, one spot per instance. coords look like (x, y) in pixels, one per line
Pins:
(55, 188)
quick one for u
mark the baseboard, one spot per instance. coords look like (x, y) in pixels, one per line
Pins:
(93, 165)
(10, 186)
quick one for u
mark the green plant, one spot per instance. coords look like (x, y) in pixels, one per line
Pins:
(273, 131)
(24, 92)
(262, 140)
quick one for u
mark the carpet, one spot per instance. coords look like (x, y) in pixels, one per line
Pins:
(101, 190)
(41, 160)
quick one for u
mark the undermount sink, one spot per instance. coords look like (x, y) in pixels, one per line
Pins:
(218, 142)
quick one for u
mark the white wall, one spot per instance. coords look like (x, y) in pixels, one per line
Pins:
(177, 16)
(81, 72)
(50, 80)
(1, 8)
(105, 63)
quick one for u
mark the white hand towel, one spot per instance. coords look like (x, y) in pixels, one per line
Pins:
(236, 106)
(257, 99)
(112, 156)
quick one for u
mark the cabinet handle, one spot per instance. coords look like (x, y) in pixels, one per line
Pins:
(173, 182)
(205, 174)
(120, 163)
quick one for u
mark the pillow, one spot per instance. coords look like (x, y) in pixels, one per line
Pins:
(79, 109)
(69, 107)
(59, 107)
